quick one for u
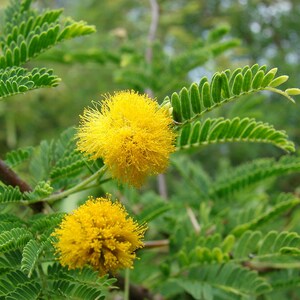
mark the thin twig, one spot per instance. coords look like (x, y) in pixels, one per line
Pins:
(152, 30)
(161, 180)
(77, 188)
(193, 220)
(156, 244)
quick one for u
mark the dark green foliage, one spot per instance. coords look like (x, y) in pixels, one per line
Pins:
(224, 87)
(236, 130)
(272, 248)
(59, 162)
(249, 174)
(52, 165)
(283, 206)
(77, 284)
(13, 239)
(217, 237)
(17, 157)
(137, 74)
(26, 34)
(10, 194)
(23, 250)
(16, 80)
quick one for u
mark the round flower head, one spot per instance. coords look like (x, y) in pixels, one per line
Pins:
(132, 134)
(100, 234)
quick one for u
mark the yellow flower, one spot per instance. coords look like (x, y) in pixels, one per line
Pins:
(100, 234)
(132, 134)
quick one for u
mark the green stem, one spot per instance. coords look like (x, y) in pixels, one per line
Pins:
(77, 188)
(42, 277)
(127, 284)
(283, 93)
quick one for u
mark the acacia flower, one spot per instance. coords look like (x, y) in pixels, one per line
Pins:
(131, 133)
(100, 234)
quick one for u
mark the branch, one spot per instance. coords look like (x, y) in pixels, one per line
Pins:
(152, 30)
(193, 220)
(82, 185)
(9, 177)
(162, 187)
(156, 244)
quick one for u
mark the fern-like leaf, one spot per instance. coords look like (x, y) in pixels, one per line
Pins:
(41, 190)
(274, 248)
(8, 222)
(236, 130)
(69, 165)
(287, 203)
(16, 80)
(41, 223)
(11, 259)
(16, 157)
(231, 280)
(75, 284)
(13, 239)
(28, 291)
(189, 104)
(30, 255)
(252, 173)
(9, 194)
(27, 33)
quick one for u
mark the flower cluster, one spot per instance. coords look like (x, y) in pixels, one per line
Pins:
(133, 136)
(100, 234)
(131, 133)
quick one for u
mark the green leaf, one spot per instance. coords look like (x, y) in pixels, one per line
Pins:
(216, 88)
(9, 194)
(269, 77)
(247, 81)
(41, 190)
(278, 81)
(260, 220)
(236, 130)
(14, 239)
(225, 87)
(258, 79)
(185, 104)
(185, 135)
(25, 80)
(205, 95)
(230, 278)
(30, 255)
(195, 98)
(176, 107)
(27, 291)
(237, 84)
(292, 91)
(252, 173)
(269, 248)
(17, 157)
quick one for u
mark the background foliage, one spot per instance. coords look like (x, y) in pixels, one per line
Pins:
(227, 221)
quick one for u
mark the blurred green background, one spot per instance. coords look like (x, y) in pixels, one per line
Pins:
(114, 59)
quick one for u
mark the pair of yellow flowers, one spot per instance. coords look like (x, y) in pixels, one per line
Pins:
(134, 137)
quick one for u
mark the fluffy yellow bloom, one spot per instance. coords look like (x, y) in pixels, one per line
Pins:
(100, 234)
(132, 134)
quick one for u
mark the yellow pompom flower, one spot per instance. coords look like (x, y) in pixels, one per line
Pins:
(100, 234)
(132, 134)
